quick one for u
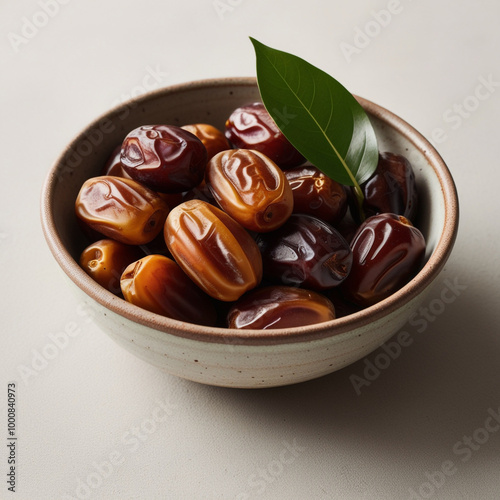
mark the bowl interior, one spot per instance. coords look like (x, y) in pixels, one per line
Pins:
(212, 101)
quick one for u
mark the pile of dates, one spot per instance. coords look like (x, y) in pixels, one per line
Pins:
(234, 228)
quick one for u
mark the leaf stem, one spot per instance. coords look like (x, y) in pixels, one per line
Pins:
(359, 198)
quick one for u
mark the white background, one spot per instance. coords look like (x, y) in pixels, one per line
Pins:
(93, 403)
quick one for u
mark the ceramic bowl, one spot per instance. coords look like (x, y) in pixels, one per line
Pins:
(227, 357)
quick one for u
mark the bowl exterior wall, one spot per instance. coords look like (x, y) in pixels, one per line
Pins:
(249, 366)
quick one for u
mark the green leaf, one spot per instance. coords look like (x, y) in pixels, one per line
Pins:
(318, 115)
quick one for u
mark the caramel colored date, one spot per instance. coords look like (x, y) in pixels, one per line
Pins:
(387, 251)
(211, 137)
(121, 209)
(213, 250)
(280, 307)
(165, 158)
(105, 260)
(252, 127)
(157, 284)
(250, 188)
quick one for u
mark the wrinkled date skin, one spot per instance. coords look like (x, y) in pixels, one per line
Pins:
(251, 127)
(305, 252)
(280, 307)
(387, 252)
(157, 284)
(105, 260)
(212, 138)
(165, 158)
(314, 193)
(121, 209)
(114, 165)
(250, 188)
(115, 168)
(214, 250)
(391, 188)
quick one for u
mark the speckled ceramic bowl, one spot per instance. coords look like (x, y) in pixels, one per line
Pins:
(225, 357)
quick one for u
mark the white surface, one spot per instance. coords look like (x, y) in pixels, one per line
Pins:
(92, 402)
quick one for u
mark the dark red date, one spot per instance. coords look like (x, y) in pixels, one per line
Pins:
(114, 165)
(305, 252)
(165, 158)
(314, 193)
(252, 127)
(280, 307)
(387, 252)
(391, 188)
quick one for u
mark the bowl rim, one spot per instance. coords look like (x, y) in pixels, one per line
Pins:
(335, 327)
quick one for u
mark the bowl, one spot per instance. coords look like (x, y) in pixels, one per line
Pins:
(230, 357)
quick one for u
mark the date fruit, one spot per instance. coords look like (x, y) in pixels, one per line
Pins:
(391, 188)
(157, 284)
(211, 137)
(250, 188)
(305, 252)
(165, 158)
(121, 209)
(114, 165)
(387, 252)
(252, 127)
(105, 260)
(214, 250)
(314, 193)
(280, 307)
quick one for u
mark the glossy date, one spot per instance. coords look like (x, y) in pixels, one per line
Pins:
(314, 193)
(105, 260)
(214, 250)
(387, 251)
(212, 138)
(121, 209)
(156, 283)
(251, 127)
(280, 307)
(165, 158)
(250, 188)
(391, 188)
(305, 252)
